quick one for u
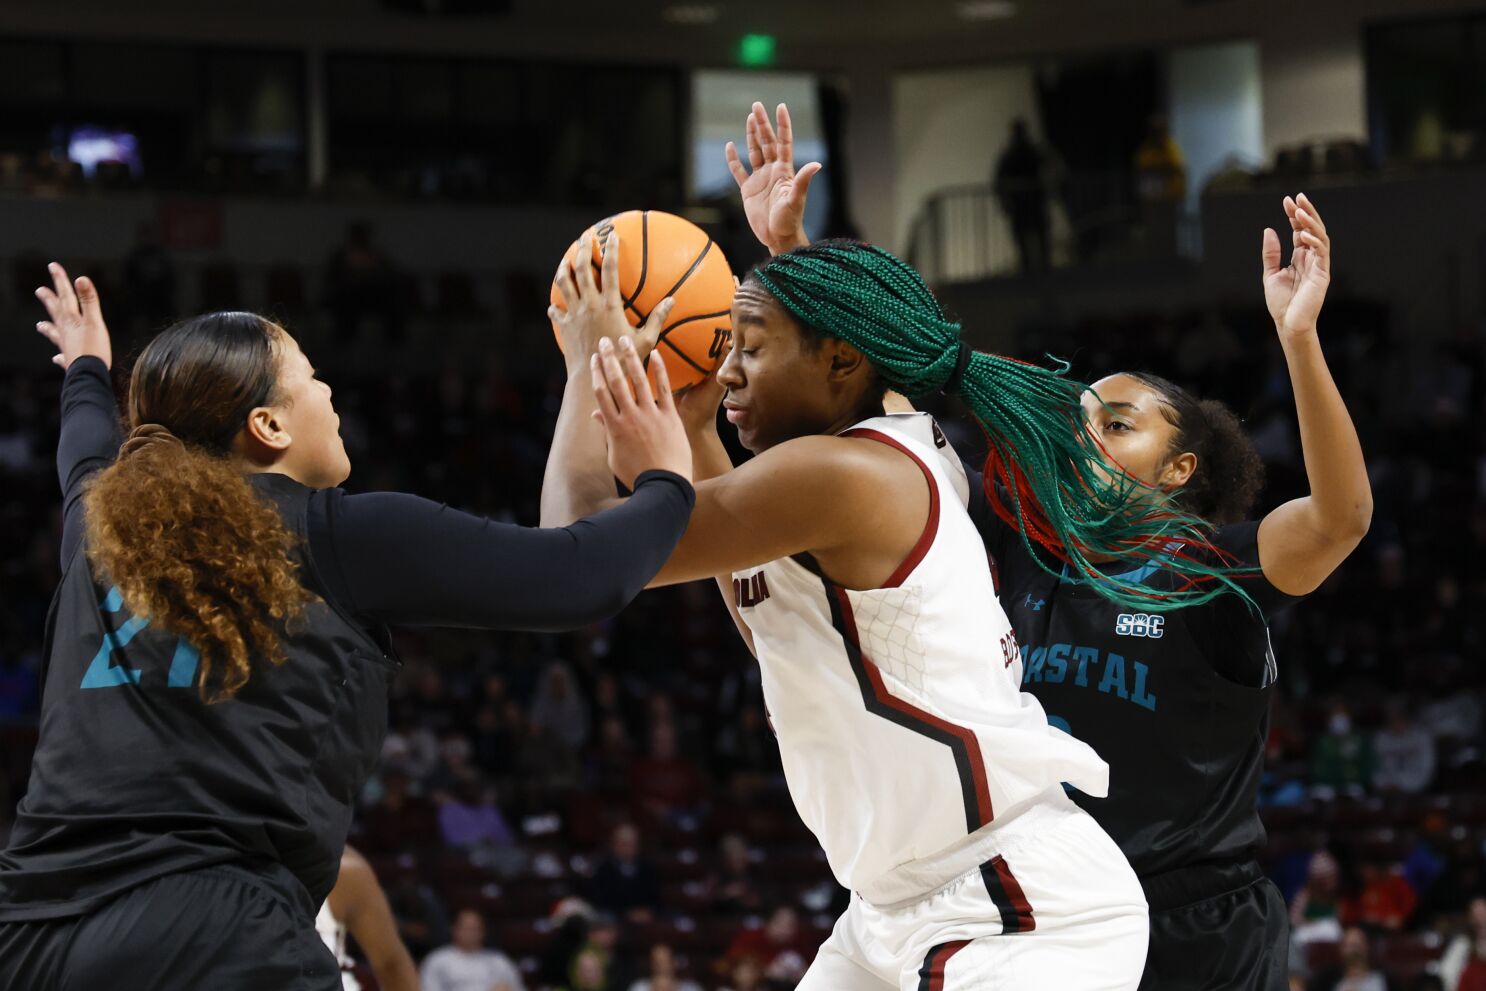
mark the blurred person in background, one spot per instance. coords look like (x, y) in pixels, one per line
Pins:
(422, 921)
(358, 907)
(1021, 188)
(1384, 901)
(662, 974)
(1342, 759)
(625, 882)
(1356, 971)
(1404, 752)
(1463, 965)
(466, 965)
(1315, 914)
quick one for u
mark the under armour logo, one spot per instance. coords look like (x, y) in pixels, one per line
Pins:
(1034, 606)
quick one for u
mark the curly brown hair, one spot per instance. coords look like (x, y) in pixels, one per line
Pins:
(175, 524)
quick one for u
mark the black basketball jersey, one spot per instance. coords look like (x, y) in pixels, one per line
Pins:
(1177, 703)
(136, 777)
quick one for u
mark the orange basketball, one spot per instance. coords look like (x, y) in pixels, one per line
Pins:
(660, 255)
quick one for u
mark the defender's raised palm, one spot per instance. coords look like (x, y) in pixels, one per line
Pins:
(773, 192)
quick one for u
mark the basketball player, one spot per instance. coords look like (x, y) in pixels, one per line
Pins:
(357, 906)
(1177, 702)
(931, 781)
(216, 657)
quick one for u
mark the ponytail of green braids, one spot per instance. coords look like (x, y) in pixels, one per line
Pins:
(1059, 491)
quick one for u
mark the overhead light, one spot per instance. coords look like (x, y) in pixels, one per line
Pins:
(693, 13)
(986, 10)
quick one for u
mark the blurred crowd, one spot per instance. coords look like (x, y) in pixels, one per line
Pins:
(605, 809)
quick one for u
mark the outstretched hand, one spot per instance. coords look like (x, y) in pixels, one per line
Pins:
(76, 324)
(1294, 293)
(593, 311)
(773, 192)
(644, 431)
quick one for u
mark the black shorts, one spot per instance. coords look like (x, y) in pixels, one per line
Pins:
(1218, 928)
(216, 927)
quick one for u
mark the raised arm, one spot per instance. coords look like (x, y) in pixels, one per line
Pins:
(577, 479)
(1304, 540)
(773, 192)
(90, 435)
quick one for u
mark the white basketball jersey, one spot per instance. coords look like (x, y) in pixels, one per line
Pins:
(334, 936)
(902, 726)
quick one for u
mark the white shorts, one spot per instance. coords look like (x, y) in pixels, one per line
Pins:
(1057, 907)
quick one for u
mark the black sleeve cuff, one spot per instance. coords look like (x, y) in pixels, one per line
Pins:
(89, 364)
(659, 475)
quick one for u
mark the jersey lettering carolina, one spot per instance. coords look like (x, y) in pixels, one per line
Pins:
(902, 726)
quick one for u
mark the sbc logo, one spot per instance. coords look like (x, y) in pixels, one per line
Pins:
(1139, 624)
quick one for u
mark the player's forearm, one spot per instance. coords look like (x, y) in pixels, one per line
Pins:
(396, 972)
(577, 480)
(1340, 493)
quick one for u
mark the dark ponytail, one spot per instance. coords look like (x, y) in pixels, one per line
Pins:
(175, 524)
(1229, 473)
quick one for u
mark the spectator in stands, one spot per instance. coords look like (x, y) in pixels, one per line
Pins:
(1161, 184)
(625, 882)
(399, 819)
(612, 758)
(663, 976)
(559, 707)
(421, 919)
(1384, 899)
(469, 818)
(744, 975)
(781, 950)
(1342, 758)
(466, 965)
(1160, 166)
(1020, 185)
(1405, 753)
(732, 889)
(665, 784)
(363, 285)
(1356, 972)
(1463, 967)
(1314, 915)
(590, 973)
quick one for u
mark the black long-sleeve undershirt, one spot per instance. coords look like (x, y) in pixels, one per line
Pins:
(398, 559)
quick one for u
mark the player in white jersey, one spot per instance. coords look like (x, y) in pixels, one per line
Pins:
(357, 906)
(932, 783)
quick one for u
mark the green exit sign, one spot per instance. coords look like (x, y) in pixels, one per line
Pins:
(756, 50)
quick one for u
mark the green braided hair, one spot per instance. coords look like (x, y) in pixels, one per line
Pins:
(1064, 493)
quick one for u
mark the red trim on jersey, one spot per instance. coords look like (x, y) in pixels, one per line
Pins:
(931, 974)
(931, 528)
(1016, 911)
(969, 759)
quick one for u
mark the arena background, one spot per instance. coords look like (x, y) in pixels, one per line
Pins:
(395, 180)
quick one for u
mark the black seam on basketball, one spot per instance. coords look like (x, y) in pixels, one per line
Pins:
(694, 265)
(629, 304)
(684, 356)
(700, 316)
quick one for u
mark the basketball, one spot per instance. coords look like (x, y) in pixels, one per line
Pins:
(661, 255)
